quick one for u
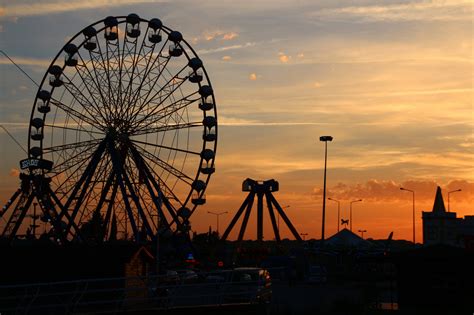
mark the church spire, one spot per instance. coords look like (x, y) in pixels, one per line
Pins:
(438, 206)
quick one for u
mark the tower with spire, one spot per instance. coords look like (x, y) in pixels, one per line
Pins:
(442, 227)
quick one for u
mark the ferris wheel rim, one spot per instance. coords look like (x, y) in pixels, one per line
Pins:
(192, 53)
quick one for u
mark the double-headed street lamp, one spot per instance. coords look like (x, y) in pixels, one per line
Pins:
(304, 235)
(338, 211)
(362, 233)
(217, 214)
(452, 191)
(350, 214)
(324, 139)
(401, 188)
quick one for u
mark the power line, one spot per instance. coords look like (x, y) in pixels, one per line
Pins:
(23, 71)
(13, 138)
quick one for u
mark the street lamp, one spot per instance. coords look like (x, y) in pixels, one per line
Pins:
(338, 211)
(350, 213)
(278, 213)
(362, 232)
(452, 191)
(401, 188)
(324, 139)
(217, 214)
(304, 235)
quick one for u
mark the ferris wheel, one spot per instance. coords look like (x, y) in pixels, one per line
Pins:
(124, 127)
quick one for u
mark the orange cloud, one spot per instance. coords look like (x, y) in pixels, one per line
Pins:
(230, 36)
(375, 190)
(317, 85)
(300, 55)
(14, 172)
(227, 58)
(283, 57)
(252, 76)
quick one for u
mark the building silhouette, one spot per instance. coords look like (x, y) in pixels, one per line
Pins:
(442, 227)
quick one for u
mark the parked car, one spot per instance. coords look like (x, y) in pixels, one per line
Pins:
(187, 276)
(249, 284)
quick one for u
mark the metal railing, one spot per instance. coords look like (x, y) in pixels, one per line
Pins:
(132, 293)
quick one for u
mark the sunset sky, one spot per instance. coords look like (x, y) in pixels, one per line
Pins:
(391, 81)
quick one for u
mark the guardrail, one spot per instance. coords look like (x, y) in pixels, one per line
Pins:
(133, 293)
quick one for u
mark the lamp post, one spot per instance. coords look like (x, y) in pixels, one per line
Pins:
(350, 213)
(401, 188)
(324, 139)
(452, 191)
(362, 233)
(217, 214)
(338, 211)
(304, 235)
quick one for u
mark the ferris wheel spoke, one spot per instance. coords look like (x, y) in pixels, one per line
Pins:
(92, 85)
(104, 65)
(166, 111)
(165, 147)
(73, 145)
(158, 200)
(164, 187)
(83, 100)
(73, 129)
(130, 70)
(71, 163)
(139, 200)
(175, 80)
(168, 89)
(113, 64)
(74, 171)
(142, 100)
(136, 151)
(146, 75)
(164, 165)
(168, 128)
(76, 114)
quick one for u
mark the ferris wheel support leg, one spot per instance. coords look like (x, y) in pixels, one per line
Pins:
(21, 216)
(109, 210)
(136, 200)
(102, 199)
(66, 214)
(156, 200)
(85, 183)
(123, 183)
(10, 202)
(272, 218)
